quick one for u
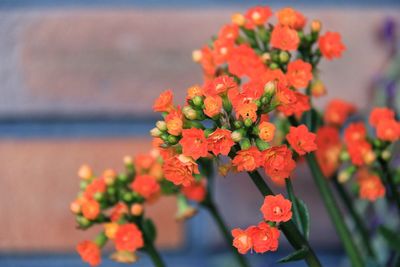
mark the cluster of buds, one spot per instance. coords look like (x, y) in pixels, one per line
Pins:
(117, 202)
(253, 74)
(359, 151)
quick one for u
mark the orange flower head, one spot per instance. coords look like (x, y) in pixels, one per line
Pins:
(331, 45)
(96, 186)
(242, 240)
(90, 209)
(212, 105)
(164, 102)
(128, 238)
(110, 229)
(243, 61)
(85, 172)
(278, 163)
(284, 38)
(301, 140)
(299, 73)
(379, 114)
(337, 112)
(360, 152)
(292, 103)
(276, 209)
(329, 148)
(193, 91)
(143, 162)
(194, 143)
(388, 130)
(89, 252)
(118, 211)
(174, 122)
(220, 85)
(146, 186)
(289, 17)
(371, 187)
(266, 131)
(220, 142)
(247, 160)
(318, 88)
(355, 132)
(229, 32)
(265, 237)
(196, 191)
(247, 110)
(137, 209)
(257, 16)
(180, 170)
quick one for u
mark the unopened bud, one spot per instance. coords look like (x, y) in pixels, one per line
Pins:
(316, 26)
(155, 132)
(75, 207)
(343, 177)
(137, 209)
(85, 172)
(172, 139)
(266, 57)
(318, 88)
(189, 113)
(83, 184)
(82, 222)
(128, 197)
(128, 160)
(110, 229)
(98, 196)
(248, 122)
(238, 19)
(109, 176)
(386, 155)
(245, 143)
(161, 125)
(344, 155)
(284, 57)
(273, 66)
(369, 157)
(261, 145)
(198, 101)
(197, 55)
(270, 88)
(237, 136)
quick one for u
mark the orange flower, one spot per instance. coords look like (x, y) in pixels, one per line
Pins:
(264, 237)
(278, 163)
(242, 240)
(360, 152)
(292, 103)
(220, 85)
(143, 162)
(329, 148)
(194, 143)
(146, 186)
(180, 170)
(318, 88)
(244, 61)
(276, 209)
(299, 73)
(85, 172)
(196, 191)
(337, 112)
(284, 38)
(229, 32)
(355, 132)
(388, 130)
(247, 110)
(164, 102)
(96, 186)
(257, 16)
(212, 105)
(301, 140)
(289, 17)
(174, 122)
(128, 238)
(207, 62)
(266, 131)
(89, 252)
(247, 160)
(331, 45)
(379, 114)
(119, 210)
(371, 187)
(193, 91)
(220, 142)
(90, 209)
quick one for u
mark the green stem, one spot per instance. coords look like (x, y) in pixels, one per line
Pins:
(154, 254)
(334, 212)
(295, 238)
(389, 179)
(347, 201)
(212, 208)
(295, 207)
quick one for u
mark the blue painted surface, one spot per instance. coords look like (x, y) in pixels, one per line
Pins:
(183, 3)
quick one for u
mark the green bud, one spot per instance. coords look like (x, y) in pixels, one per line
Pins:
(237, 135)
(155, 132)
(275, 56)
(262, 145)
(270, 88)
(111, 190)
(189, 113)
(164, 136)
(98, 196)
(284, 57)
(248, 122)
(101, 240)
(245, 143)
(172, 139)
(238, 124)
(83, 222)
(377, 143)
(344, 155)
(161, 125)
(128, 196)
(83, 184)
(122, 177)
(273, 66)
(258, 102)
(197, 101)
(386, 154)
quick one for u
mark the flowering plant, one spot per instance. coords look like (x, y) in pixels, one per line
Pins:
(255, 110)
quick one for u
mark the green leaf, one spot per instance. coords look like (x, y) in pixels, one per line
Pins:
(392, 238)
(149, 230)
(295, 256)
(304, 217)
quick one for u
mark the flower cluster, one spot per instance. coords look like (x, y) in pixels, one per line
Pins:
(116, 201)
(264, 236)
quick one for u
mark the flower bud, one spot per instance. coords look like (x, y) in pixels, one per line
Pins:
(128, 196)
(110, 229)
(273, 66)
(269, 88)
(343, 177)
(98, 196)
(137, 209)
(344, 155)
(109, 176)
(75, 207)
(161, 125)
(248, 122)
(82, 222)
(128, 160)
(369, 157)
(198, 101)
(386, 155)
(237, 135)
(318, 88)
(316, 26)
(245, 143)
(155, 132)
(100, 240)
(85, 172)
(238, 124)
(122, 177)
(266, 57)
(189, 113)
(238, 19)
(83, 184)
(284, 57)
(226, 104)
(172, 139)
(261, 145)
(197, 55)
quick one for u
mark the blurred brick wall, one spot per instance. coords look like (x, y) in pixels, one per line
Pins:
(110, 62)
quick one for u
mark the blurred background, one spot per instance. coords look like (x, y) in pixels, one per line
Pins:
(77, 82)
